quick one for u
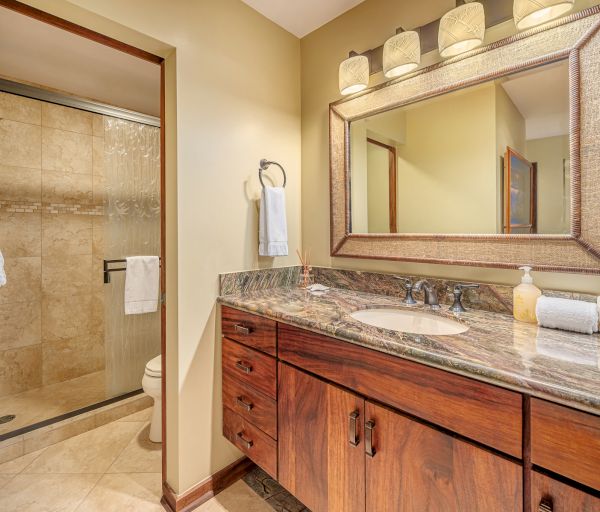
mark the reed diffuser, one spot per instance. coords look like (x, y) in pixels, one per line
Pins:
(306, 277)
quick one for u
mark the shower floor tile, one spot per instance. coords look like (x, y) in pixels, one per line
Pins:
(47, 402)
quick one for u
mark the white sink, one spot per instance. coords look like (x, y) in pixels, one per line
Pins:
(415, 322)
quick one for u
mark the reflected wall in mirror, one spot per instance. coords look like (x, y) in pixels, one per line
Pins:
(488, 159)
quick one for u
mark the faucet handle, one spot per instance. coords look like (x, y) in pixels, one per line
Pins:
(457, 306)
(408, 286)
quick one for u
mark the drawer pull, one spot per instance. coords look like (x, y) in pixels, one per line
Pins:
(243, 404)
(241, 329)
(352, 433)
(245, 367)
(369, 450)
(247, 443)
(546, 505)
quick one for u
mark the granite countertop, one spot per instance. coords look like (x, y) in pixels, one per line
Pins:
(555, 365)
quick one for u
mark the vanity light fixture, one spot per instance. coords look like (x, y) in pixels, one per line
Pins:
(354, 74)
(530, 13)
(462, 29)
(401, 54)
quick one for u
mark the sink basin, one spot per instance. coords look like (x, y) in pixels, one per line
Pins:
(415, 322)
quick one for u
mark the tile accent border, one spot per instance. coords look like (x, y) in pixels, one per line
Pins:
(18, 446)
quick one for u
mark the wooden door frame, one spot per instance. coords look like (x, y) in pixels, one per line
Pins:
(393, 181)
(97, 37)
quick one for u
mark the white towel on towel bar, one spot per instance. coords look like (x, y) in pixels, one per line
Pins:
(272, 235)
(2, 271)
(142, 277)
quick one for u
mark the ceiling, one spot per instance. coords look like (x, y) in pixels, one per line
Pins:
(40, 54)
(542, 97)
(301, 17)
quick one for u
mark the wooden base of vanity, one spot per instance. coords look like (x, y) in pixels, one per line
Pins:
(349, 429)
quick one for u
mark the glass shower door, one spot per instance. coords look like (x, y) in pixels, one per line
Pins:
(131, 228)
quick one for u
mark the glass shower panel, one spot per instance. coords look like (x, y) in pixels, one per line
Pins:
(131, 228)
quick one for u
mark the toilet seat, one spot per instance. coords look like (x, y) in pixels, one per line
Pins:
(153, 367)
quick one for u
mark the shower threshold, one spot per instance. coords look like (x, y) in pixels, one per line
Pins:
(40, 407)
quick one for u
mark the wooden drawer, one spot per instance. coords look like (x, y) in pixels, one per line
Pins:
(252, 330)
(252, 405)
(250, 367)
(560, 497)
(479, 411)
(257, 445)
(566, 442)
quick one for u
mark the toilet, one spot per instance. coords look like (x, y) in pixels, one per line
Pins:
(151, 383)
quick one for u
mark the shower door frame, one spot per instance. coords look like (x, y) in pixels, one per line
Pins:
(97, 37)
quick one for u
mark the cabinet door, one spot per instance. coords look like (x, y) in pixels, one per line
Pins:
(415, 468)
(549, 495)
(321, 449)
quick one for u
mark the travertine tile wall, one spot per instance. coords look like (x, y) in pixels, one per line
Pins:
(51, 221)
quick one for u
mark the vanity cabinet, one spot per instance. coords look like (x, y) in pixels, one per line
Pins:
(350, 429)
(549, 495)
(321, 442)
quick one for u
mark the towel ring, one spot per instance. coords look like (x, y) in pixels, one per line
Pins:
(264, 165)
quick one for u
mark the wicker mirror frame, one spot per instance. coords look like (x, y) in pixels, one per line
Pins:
(577, 38)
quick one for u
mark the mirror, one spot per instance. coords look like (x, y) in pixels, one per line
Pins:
(492, 158)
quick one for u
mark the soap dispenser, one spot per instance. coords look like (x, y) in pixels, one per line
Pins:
(525, 297)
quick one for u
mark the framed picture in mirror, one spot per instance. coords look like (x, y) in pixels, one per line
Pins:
(520, 193)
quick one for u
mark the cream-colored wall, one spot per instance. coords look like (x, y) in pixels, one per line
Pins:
(235, 77)
(367, 26)
(510, 132)
(359, 199)
(446, 173)
(378, 188)
(549, 153)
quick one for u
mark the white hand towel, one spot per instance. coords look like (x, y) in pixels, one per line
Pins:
(141, 284)
(567, 314)
(272, 223)
(2, 272)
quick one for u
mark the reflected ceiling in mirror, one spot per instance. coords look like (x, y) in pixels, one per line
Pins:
(493, 158)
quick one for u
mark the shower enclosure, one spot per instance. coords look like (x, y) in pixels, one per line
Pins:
(77, 187)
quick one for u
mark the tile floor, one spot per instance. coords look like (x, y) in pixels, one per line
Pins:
(47, 402)
(115, 468)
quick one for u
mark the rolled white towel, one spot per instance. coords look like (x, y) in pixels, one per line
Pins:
(567, 314)
(2, 272)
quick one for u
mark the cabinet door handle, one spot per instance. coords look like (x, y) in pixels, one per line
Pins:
(352, 433)
(369, 450)
(546, 505)
(243, 404)
(246, 442)
(241, 329)
(245, 367)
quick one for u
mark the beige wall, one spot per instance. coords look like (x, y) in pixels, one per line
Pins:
(378, 188)
(236, 79)
(510, 132)
(553, 211)
(367, 26)
(446, 173)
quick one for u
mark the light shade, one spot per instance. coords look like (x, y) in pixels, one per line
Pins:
(461, 29)
(401, 54)
(529, 13)
(354, 74)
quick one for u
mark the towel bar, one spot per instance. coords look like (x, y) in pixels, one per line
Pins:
(264, 165)
(108, 270)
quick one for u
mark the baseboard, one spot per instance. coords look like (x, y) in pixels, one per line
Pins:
(206, 489)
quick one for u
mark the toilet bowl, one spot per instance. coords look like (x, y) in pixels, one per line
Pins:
(151, 383)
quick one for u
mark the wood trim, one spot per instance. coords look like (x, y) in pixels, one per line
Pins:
(393, 180)
(574, 252)
(207, 488)
(163, 273)
(79, 30)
